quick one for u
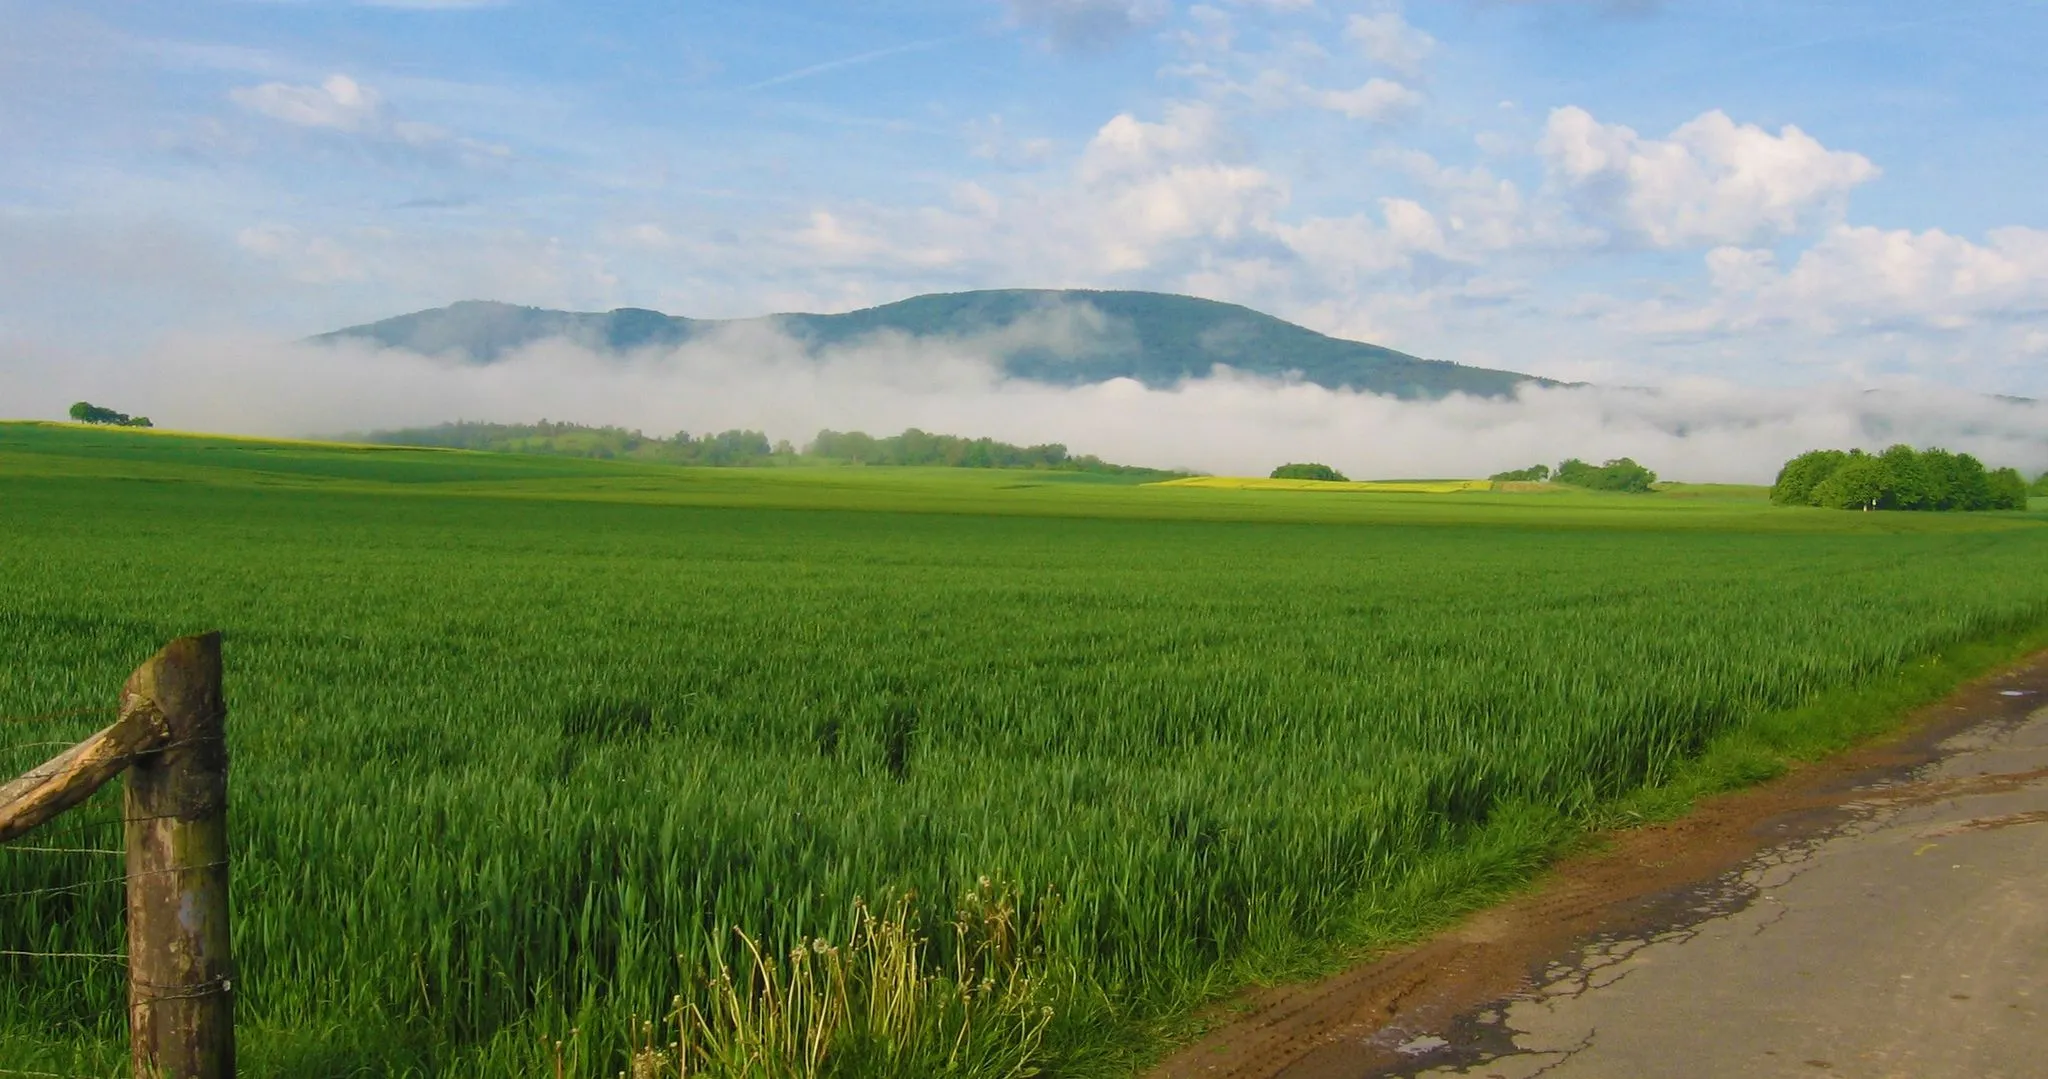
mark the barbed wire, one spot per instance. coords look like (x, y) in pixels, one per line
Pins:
(84, 833)
(76, 837)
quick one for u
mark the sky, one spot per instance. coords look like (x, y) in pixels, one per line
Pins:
(1631, 192)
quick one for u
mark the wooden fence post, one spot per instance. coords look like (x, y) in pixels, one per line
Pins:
(181, 1005)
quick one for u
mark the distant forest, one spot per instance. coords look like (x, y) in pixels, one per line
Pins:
(745, 448)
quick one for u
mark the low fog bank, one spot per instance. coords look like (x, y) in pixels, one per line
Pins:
(1228, 423)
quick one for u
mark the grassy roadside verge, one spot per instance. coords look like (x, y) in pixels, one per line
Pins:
(1513, 852)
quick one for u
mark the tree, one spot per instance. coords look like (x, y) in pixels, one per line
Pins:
(1802, 474)
(1913, 481)
(2008, 489)
(1860, 484)
(2040, 488)
(87, 412)
(1531, 474)
(1619, 474)
(1959, 480)
(1308, 472)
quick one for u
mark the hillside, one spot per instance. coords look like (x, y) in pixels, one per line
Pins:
(1156, 338)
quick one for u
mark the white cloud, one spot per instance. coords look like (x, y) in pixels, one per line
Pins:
(1387, 39)
(1348, 252)
(1226, 423)
(1859, 277)
(338, 103)
(1207, 202)
(1709, 182)
(841, 240)
(1377, 101)
(1127, 146)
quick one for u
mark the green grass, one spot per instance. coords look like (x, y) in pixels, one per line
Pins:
(513, 734)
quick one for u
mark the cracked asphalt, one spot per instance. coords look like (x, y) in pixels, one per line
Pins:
(1910, 942)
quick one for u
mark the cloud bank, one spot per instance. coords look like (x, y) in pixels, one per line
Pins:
(1227, 423)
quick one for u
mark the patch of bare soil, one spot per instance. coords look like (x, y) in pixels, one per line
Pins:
(1643, 884)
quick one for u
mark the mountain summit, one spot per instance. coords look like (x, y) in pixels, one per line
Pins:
(1062, 336)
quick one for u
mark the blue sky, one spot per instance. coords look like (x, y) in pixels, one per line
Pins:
(1631, 192)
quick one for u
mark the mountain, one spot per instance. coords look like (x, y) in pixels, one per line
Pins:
(1068, 336)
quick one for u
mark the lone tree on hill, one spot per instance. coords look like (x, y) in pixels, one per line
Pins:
(1308, 472)
(86, 412)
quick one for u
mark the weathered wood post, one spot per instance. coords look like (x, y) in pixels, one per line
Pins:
(181, 1004)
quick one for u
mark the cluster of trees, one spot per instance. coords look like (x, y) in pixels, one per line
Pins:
(915, 447)
(1308, 472)
(1900, 478)
(1619, 474)
(2040, 487)
(87, 412)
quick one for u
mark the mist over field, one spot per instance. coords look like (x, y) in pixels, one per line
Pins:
(1227, 423)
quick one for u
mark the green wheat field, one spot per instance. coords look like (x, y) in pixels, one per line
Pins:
(547, 766)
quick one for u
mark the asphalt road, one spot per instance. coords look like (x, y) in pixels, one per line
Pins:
(1880, 914)
(1912, 943)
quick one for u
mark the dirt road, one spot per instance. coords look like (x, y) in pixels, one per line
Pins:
(1881, 915)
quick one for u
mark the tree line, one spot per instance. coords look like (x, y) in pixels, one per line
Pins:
(1900, 478)
(915, 447)
(1619, 474)
(735, 447)
(744, 447)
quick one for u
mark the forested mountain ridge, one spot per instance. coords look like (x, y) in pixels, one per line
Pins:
(1083, 336)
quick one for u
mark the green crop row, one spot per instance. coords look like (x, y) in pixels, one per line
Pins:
(813, 792)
